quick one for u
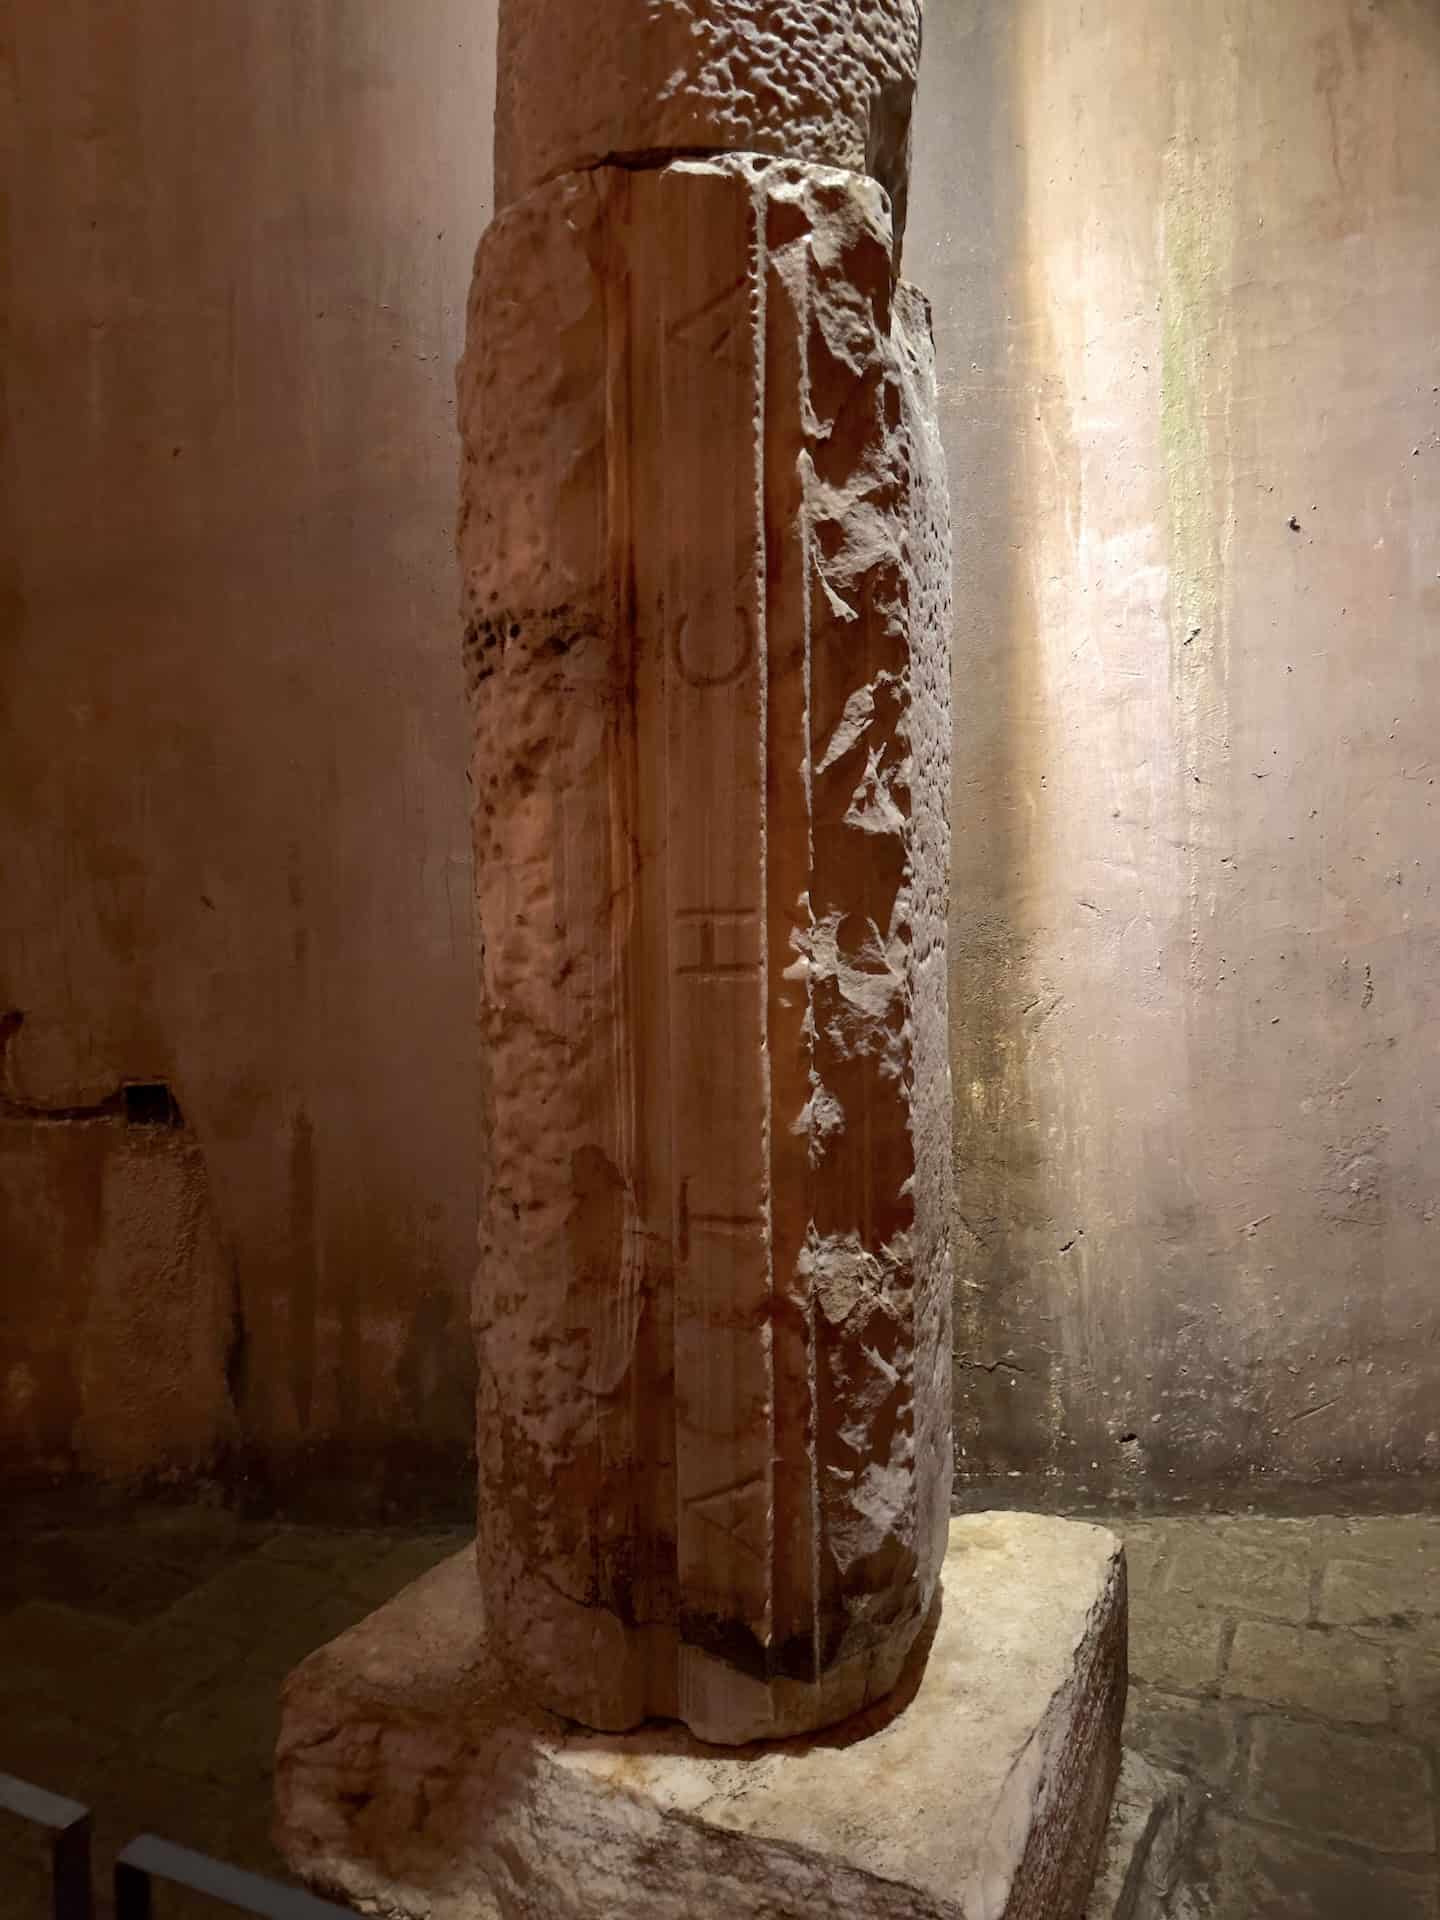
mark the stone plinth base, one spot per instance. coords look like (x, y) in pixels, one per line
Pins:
(409, 1780)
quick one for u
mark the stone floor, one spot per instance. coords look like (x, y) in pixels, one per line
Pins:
(1289, 1668)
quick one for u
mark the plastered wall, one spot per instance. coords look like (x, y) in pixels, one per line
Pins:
(233, 836)
(1185, 263)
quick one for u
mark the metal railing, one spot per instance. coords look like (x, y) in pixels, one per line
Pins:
(144, 1861)
(69, 1826)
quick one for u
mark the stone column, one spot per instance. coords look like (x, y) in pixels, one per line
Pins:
(705, 542)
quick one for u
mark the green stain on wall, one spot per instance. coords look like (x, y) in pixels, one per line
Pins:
(1196, 384)
(1197, 220)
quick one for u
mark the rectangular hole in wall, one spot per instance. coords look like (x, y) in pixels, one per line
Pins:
(150, 1103)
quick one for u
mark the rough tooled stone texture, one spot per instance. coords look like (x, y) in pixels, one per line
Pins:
(830, 81)
(411, 1782)
(705, 544)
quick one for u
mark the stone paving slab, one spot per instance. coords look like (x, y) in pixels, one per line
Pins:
(1237, 1571)
(24, 1872)
(1376, 1593)
(1340, 1785)
(1316, 1763)
(53, 1750)
(1244, 1872)
(1176, 1644)
(1333, 1674)
(1417, 1692)
(60, 1655)
(1200, 1739)
(247, 1597)
(226, 1735)
(327, 1552)
(1390, 1540)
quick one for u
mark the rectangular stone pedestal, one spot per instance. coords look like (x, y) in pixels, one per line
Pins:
(410, 1781)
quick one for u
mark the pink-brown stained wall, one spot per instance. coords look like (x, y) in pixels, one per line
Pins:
(233, 824)
(1184, 257)
(116, 1316)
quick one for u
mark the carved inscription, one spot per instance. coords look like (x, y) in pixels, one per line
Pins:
(715, 874)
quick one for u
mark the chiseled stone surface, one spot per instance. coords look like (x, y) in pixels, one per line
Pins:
(705, 543)
(829, 81)
(411, 1779)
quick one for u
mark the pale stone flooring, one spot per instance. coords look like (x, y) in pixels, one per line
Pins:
(1289, 1668)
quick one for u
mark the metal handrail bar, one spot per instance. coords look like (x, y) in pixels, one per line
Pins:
(69, 1826)
(149, 1858)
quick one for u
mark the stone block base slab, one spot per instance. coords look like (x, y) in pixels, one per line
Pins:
(410, 1781)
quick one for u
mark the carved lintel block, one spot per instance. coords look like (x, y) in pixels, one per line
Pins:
(705, 541)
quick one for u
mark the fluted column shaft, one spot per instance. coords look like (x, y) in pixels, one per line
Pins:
(705, 542)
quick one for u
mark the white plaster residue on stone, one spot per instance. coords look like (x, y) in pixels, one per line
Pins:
(871, 979)
(819, 1120)
(859, 712)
